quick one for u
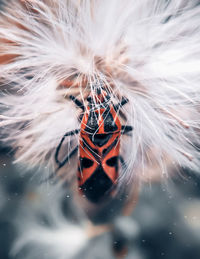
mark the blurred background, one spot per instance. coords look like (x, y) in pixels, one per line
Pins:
(165, 223)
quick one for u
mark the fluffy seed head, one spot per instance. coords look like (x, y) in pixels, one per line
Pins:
(147, 51)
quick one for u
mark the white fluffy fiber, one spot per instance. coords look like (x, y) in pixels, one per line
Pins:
(148, 51)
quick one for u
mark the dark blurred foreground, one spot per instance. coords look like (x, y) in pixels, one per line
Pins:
(165, 223)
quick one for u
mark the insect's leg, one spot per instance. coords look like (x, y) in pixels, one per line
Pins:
(77, 102)
(126, 129)
(51, 176)
(66, 160)
(70, 133)
(122, 162)
(80, 117)
(122, 115)
(120, 104)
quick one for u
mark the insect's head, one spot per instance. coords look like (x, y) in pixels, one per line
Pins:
(99, 97)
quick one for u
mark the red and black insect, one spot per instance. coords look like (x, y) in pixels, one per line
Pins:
(99, 145)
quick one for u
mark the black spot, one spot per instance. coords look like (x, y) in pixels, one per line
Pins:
(105, 151)
(98, 186)
(85, 162)
(112, 161)
(100, 139)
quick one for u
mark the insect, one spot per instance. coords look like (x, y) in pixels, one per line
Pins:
(99, 145)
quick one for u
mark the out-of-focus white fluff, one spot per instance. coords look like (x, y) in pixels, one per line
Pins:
(43, 229)
(147, 50)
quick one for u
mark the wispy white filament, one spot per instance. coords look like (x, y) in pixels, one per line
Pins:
(147, 51)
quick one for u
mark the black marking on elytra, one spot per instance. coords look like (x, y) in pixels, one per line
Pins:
(109, 123)
(104, 151)
(98, 186)
(86, 162)
(108, 149)
(100, 139)
(113, 161)
(92, 150)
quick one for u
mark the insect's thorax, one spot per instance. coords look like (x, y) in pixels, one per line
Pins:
(99, 153)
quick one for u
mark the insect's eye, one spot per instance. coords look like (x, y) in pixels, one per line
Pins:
(89, 99)
(112, 161)
(85, 162)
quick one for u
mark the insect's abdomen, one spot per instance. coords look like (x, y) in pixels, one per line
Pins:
(98, 165)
